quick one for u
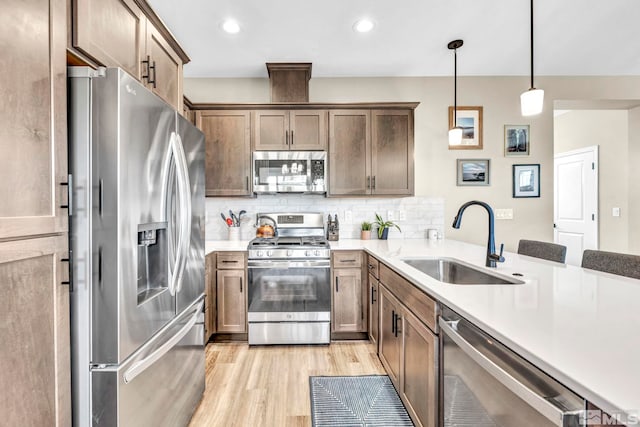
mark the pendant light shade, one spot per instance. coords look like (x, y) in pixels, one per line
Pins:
(455, 133)
(532, 100)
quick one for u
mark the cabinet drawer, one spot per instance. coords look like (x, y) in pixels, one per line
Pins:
(230, 260)
(372, 266)
(347, 259)
(414, 299)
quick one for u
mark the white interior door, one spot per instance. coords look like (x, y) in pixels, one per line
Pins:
(575, 204)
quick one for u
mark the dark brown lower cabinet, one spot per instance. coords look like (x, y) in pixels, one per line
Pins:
(34, 331)
(374, 299)
(408, 350)
(232, 301)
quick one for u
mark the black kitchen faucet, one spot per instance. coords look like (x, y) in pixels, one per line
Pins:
(492, 257)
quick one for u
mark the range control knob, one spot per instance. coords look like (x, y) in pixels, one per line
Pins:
(307, 253)
(289, 252)
(269, 252)
(316, 252)
(259, 253)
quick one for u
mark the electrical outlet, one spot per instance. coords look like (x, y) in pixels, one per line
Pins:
(390, 216)
(348, 217)
(615, 211)
(504, 213)
(402, 215)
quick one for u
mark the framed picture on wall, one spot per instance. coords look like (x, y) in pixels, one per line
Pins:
(526, 181)
(470, 120)
(516, 140)
(473, 172)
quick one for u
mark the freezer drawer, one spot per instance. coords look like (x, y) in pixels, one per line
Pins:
(155, 388)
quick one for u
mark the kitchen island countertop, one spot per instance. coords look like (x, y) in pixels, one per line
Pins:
(577, 325)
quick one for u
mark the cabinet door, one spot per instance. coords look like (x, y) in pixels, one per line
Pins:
(33, 122)
(164, 68)
(348, 312)
(308, 130)
(349, 153)
(111, 32)
(373, 310)
(232, 301)
(271, 130)
(392, 152)
(389, 346)
(35, 384)
(210, 290)
(418, 385)
(227, 152)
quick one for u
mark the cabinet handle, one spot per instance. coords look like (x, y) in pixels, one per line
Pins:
(370, 266)
(373, 183)
(69, 185)
(291, 137)
(241, 285)
(226, 261)
(393, 321)
(373, 293)
(153, 81)
(337, 288)
(368, 181)
(396, 325)
(246, 184)
(347, 260)
(70, 261)
(286, 137)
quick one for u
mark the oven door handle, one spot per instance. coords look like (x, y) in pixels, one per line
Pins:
(556, 415)
(289, 264)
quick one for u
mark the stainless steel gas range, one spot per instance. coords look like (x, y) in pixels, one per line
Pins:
(289, 282)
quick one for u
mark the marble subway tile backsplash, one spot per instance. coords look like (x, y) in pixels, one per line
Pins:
(418, 213)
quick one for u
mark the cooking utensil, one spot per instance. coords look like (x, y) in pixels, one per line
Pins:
(224, 218)
(229, 222)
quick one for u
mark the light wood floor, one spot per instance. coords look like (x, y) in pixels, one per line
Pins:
(269, 386)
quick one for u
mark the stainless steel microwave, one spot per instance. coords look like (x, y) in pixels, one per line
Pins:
(289, 172)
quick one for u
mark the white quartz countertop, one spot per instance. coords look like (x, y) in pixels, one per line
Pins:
(577, 325)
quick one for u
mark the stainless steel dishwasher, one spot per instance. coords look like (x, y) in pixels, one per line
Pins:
(484, 384)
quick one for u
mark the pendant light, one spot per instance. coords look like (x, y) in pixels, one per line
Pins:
(455, 133)
(532, 100)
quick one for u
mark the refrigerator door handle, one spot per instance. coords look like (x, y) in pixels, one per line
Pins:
(168, 177)
(141, 365)
(185, 210)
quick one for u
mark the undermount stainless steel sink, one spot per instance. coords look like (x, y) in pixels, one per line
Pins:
(449, 270)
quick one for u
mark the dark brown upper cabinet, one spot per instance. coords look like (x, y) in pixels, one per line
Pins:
(371, 152)
(282, 130)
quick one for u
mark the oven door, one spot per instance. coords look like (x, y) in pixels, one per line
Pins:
(281, 291)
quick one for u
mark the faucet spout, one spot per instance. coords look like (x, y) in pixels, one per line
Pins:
(492, 257)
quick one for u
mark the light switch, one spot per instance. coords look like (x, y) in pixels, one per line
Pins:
(615, 211)
(504, 213)
(390, 216)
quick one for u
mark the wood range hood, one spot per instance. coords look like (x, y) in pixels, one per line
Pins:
(289, 81)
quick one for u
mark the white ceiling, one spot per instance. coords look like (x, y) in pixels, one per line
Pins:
(573, 37)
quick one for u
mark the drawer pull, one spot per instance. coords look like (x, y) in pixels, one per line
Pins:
(226, 261)
(347, 260)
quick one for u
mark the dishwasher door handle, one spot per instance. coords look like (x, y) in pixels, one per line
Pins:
(556, 415)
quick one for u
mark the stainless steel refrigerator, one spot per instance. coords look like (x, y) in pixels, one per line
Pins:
(137, 254)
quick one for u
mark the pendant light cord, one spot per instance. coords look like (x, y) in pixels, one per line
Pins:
(455, 88)
(532, 86)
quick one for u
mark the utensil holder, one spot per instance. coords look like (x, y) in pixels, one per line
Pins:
(234, 233)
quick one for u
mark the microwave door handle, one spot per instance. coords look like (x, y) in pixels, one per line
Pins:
(142, 365)
(537, 402)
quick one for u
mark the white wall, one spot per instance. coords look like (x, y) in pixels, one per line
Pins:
(634, 182)
(435, 163)
(608, 129)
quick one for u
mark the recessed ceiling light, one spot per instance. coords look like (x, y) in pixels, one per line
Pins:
(363, 26)
(231, 26)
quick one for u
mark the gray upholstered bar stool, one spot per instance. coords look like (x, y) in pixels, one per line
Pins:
(543, 250)
(612, 262)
